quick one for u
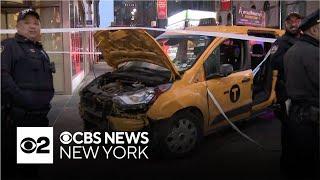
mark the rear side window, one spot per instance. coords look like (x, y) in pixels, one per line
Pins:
(258, 50)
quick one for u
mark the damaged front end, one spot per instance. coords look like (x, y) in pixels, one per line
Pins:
(119, 100)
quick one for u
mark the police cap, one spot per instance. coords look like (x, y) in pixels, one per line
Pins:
(310, 20)
(293, 14)
(25, 12)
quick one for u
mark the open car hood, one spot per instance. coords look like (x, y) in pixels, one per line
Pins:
(119, 46)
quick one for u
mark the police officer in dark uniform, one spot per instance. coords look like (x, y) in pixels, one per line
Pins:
(278, 49)
(301, 63)
(26, 83)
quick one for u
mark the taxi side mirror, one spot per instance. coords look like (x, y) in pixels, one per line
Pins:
(226, 69)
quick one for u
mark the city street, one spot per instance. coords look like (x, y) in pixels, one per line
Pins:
(181, 69)
(221, 155)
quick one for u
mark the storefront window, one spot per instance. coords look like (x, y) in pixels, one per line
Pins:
(76, 57)
(8, 21)
(78, 41)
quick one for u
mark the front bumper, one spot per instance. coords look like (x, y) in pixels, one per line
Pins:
(123, 122)
(127, 124)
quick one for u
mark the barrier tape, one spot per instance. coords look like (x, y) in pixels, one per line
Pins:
(67, 52)
(230, 122)
(256, 70)
(204, 33)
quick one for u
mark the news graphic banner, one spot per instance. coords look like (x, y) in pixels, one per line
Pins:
(35, 145)
(108, 145)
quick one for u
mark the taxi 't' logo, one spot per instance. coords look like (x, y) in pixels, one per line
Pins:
(234, 93)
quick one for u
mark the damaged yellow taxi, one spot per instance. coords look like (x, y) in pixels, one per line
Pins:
(161, 85)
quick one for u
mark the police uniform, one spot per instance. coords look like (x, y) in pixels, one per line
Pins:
(27, 83)
(301, 64)
(26, 88)
(278, 50)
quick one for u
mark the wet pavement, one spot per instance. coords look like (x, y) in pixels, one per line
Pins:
(222, 155)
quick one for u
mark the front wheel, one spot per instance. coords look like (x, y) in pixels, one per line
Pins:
(180, 135)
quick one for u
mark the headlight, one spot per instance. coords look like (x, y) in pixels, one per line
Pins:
(136, 100)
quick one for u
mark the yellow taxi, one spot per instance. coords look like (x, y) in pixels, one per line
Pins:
(162, 84)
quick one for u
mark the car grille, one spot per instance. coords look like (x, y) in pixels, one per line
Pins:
(89, 102)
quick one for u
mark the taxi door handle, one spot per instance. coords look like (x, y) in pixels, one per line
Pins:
(245, 79)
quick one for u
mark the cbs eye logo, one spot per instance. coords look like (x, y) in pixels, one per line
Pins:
(65, 137)
(29, 145)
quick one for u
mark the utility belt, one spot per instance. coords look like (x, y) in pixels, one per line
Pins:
(281, 92)
(22, 116)
(305, 111)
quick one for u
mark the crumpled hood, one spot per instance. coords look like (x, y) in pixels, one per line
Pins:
(119, 46)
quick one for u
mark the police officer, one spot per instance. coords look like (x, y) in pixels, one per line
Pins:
(301, 63)
(278, 50)
(26, 81)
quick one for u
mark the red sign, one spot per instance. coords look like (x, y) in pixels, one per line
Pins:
(162, 9)
(75, 56)
(225, 5)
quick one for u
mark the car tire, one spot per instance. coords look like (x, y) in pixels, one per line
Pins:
(179, 135)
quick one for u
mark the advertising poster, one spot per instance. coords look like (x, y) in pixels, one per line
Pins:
(250, 17)
(162, 9)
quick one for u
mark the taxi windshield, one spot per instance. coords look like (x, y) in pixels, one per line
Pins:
(184, 50)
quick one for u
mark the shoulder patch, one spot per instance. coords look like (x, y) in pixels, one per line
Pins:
(2, 48)
(274, 48)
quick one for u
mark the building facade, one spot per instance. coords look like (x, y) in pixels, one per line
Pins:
(180, 6)
(274, 11)
(63, 48)
(177, 6)
(144, 13)
(134, 13)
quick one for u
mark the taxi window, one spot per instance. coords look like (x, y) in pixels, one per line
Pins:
(258, 50)
(184, 50)
(231, 51)
(212, 64)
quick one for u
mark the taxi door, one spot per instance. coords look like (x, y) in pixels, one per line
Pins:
(234, 91)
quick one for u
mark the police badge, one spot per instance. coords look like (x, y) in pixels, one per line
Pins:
(274, 49)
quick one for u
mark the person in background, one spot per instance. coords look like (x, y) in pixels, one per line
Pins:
(301, 65)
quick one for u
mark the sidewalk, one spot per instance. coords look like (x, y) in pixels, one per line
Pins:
(64, 113)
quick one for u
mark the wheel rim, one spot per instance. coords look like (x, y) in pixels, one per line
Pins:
(183, 136)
